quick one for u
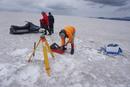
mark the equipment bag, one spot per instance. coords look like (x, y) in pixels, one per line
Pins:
(54, 46)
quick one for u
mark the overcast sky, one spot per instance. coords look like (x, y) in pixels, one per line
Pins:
(91, 8)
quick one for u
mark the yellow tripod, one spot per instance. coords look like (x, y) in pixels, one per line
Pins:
(45, 53)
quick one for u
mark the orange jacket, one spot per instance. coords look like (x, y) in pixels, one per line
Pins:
(70, 31)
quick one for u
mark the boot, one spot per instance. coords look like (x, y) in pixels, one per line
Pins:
(49, 32)
(72, 51)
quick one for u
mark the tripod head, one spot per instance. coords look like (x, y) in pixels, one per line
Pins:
(42, 35)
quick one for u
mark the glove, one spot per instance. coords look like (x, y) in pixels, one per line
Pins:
(63, 48)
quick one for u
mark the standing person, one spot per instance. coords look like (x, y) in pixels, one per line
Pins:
(69, 33)
(44, 22)
(51, 22)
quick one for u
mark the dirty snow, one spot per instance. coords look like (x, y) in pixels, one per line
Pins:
(86, 68)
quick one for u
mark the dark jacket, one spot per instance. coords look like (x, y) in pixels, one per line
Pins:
(51, 19)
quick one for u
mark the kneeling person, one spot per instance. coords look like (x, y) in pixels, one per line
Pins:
(69, 33)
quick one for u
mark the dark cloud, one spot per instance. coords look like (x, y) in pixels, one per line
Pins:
(69, 7)
(110, 2)
(126, 8)
(20, 5)
(60, 7)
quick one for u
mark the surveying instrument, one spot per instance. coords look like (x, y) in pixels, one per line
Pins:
(46, 48)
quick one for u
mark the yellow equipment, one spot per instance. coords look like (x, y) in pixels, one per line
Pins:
(46, 48)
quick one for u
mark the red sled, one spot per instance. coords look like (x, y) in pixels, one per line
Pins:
(58, 51)
(56, 48)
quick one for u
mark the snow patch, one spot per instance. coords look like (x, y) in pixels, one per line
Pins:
(3, 70)
(1, 53)
(94, 55)
(63, 64)
(7, 72)
(29, 75)
(78, 41)
(19, 52)
(87, 84)
(76, 85)
(38, 56)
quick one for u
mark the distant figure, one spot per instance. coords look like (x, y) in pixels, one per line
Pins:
(69, 33)
(44, 22)
(51, 22)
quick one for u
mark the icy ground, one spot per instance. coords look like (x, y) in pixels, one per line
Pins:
(86, 68)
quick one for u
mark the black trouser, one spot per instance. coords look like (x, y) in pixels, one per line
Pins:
(72, 48)
(51, 27)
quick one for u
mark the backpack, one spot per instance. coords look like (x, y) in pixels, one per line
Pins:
(54, 46)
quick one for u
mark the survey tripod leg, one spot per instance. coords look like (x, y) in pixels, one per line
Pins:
(33, 52)
(46, 61)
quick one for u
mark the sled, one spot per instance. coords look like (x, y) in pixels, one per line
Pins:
(59, 51)
(29, 27)
(56, 48)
